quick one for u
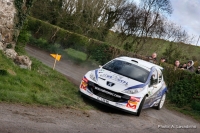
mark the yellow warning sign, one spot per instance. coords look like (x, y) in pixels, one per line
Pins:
(56, 56)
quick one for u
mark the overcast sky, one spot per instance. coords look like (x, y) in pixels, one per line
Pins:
(186, 13)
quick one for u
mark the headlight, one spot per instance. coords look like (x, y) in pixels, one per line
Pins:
(133, 91)
(92, 76)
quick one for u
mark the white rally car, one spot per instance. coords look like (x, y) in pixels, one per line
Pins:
(129, 84)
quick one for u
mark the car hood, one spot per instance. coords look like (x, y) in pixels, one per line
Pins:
(113, 81)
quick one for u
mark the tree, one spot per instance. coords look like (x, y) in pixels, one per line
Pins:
(46, 10)
(88, 17)
(144, 21)
(157, 6)
(175, 33)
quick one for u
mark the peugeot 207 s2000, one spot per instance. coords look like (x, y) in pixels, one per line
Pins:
(129, 84)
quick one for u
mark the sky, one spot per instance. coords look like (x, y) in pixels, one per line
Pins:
(186, 13)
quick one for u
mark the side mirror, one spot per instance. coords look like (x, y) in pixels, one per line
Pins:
(152, 80)
(100, 66)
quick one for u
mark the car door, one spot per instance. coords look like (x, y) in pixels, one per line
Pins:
(154, 86)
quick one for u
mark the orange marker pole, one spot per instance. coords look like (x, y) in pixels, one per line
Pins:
(55, 62)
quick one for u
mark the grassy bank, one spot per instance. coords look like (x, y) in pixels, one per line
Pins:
(41, 85)
(187, 110)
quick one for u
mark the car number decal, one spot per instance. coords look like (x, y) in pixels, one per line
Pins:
(102, 99)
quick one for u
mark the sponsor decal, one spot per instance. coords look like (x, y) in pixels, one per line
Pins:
(149, 93)
(131, 104)
(120, 104)
(107, 92)
(101, 70)
(116, 78)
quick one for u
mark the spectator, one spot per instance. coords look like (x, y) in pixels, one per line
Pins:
(198, 70)
(184, 66)
(153, 58)
(177, 64)
(162, 60)
(190, 66)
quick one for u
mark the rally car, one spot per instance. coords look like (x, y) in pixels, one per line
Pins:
(129, 84)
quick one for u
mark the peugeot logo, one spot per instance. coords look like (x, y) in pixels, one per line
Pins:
(110, 84)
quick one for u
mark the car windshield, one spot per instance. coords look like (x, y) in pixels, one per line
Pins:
(127, 69)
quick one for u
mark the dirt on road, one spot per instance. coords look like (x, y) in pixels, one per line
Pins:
(18, 118)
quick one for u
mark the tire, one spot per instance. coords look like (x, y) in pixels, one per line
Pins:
(140, 107)
(162, 101)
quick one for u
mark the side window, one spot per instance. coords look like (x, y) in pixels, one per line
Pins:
(154, 77)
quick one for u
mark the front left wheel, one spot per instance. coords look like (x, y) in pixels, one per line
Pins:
(140, 107)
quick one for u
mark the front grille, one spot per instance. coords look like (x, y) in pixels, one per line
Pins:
(107, 94)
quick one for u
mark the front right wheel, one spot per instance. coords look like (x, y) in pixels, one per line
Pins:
(162, 101)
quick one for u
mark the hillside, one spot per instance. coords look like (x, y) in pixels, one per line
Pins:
(186, 51)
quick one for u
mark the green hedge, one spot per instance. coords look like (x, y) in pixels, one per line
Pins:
(183, 86)
(100, 51)
(56, 34)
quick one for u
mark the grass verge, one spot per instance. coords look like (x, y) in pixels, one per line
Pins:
(41, 85)
(187, 110)
(76, 55)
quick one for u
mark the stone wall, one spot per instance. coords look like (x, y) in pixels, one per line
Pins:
(8, 17)
(7, 26)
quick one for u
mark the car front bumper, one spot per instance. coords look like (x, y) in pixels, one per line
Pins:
(126, 106)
